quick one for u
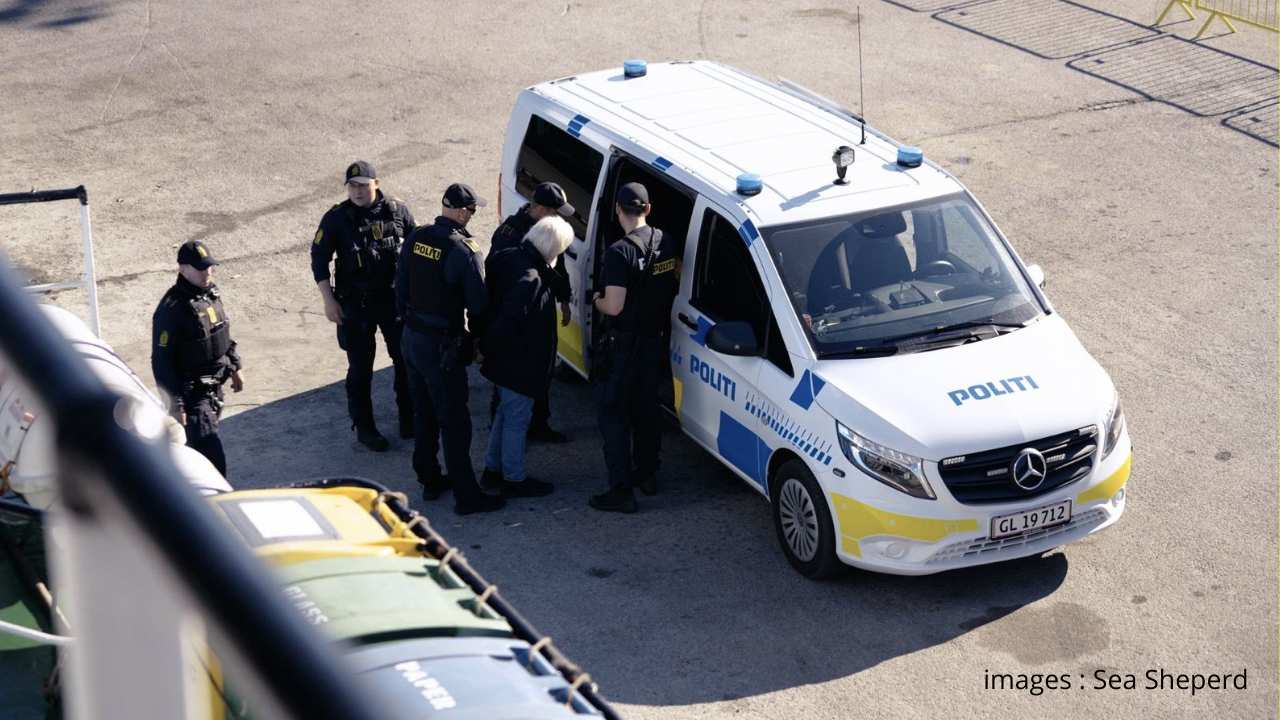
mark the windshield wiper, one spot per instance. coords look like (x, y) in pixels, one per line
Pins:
(868, 351)
(952, 332)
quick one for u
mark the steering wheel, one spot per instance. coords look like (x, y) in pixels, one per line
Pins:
(937, 267)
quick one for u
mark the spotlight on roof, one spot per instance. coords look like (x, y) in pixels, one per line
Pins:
(843, 158)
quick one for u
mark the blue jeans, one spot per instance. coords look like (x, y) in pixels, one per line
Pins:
(507, 437)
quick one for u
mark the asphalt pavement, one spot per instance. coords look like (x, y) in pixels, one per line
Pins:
(1137, 167)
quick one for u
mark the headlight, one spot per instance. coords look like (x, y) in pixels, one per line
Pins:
(898, 470)
(1115, 423)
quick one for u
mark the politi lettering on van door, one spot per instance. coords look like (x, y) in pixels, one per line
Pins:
(431, 689)
(712, 376)
(985, 391)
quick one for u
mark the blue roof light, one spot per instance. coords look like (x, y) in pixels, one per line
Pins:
(749, 184)
(910, 156)
(635, 68)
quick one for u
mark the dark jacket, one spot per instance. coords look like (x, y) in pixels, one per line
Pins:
(520, 345)
(192, 352)
(366, 242)
(511, 233)
(440, 276)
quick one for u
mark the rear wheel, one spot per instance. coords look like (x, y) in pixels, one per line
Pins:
(803, 523)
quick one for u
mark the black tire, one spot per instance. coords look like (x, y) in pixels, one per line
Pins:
(810, 544)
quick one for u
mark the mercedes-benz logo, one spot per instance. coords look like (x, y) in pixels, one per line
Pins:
(1029, 469)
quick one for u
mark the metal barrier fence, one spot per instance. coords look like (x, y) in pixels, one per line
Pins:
(1258, 13)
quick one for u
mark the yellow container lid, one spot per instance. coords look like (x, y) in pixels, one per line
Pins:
(291, 525)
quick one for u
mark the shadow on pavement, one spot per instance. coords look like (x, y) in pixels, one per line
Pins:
(45, 14)
(1165, 68)
(688, 601)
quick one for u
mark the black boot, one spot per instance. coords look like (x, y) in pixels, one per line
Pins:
(619, 499)
(434, 487)
(368, 436)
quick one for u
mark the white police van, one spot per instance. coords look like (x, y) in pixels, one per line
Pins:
(870, 354)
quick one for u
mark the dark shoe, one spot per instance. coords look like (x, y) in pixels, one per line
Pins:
(529, 487)
(483, 503)
(406, 427)
(545, 434)
(491, 480)
(616, 500)
(369, 437)
(647, 484)
(435, 487)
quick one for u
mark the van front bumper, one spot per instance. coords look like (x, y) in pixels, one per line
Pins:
(878, 539)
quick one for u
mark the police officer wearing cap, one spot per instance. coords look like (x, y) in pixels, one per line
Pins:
(640, 284)
(365, 232)
(548, 199)
(441, 295)
(192, 353)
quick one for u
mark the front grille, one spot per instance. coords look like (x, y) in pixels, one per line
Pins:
(984, 546)
(987, 477)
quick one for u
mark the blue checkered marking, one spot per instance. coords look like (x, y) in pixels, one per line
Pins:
(661, 163)
(575, 125)
(748, 232)
(788, 429)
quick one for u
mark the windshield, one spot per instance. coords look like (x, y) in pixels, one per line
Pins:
(868, 281)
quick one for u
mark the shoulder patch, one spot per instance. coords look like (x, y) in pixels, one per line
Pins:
(471, 244)
(319, 236)
(164, 338)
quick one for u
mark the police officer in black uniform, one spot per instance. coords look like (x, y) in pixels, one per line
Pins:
(440, 277)
(192, 353)
(548, 199)
(365, 232)
(631, 365)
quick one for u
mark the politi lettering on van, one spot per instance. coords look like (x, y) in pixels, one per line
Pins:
(986, 391)
(430, 688)
(712, 376)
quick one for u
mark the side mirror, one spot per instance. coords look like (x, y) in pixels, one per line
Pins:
(1037, 275)
(733, 338)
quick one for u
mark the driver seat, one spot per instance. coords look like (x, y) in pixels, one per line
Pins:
(878, 262)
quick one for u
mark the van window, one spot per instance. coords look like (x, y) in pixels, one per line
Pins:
(727, 286)
(550, 154)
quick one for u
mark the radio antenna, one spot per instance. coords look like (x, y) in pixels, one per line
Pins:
(862, 115)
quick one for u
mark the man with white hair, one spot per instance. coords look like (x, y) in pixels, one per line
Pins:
(520, 348)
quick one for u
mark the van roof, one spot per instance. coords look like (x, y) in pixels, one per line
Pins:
(715, 122)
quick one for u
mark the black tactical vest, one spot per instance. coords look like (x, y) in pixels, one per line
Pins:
(203, 353)
(429, 296)
(366, 259)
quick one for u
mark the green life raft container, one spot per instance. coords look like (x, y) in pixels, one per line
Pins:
(372, 599)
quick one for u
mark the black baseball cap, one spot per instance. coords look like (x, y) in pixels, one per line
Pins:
(361, 172)
(196, 254)
(460, 195)
(549, 194)
(633, 196)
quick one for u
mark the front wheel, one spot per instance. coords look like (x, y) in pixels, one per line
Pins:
(803, 523)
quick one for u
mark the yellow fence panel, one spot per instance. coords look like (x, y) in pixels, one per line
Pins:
(1259, 13)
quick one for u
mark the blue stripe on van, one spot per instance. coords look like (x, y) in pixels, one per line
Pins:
(748, 232)
(661, 163)
(575, 125)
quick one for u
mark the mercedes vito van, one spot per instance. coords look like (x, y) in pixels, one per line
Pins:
(853, 336)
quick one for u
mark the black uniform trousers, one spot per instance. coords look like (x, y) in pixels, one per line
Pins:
(204, 408)
(628, 396)
(438, 385)
(361, 319)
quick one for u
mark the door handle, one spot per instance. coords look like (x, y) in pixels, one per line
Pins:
(571, 254)
(692, 325)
